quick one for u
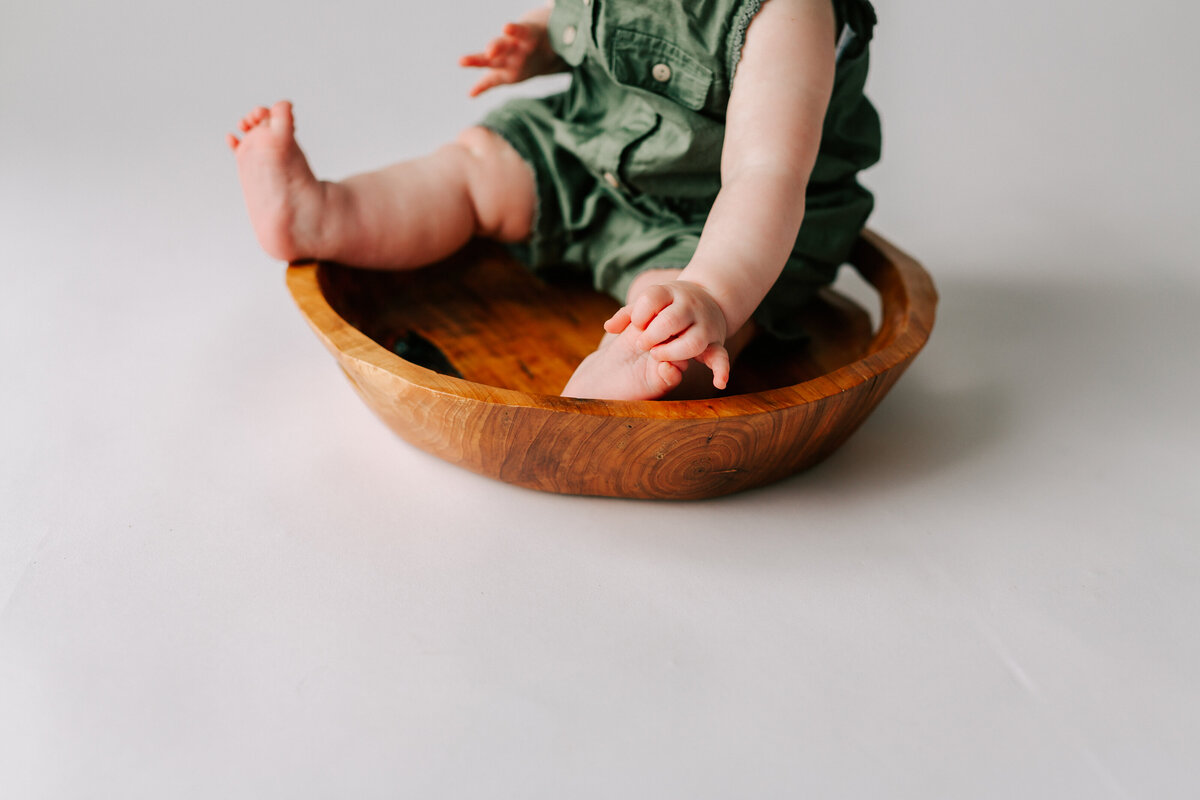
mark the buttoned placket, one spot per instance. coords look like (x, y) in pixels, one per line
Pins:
(575, 33)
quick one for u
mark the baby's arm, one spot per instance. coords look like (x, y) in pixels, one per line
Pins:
(522, 51)
(773, 129)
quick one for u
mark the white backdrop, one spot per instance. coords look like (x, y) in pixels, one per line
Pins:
(221, 576)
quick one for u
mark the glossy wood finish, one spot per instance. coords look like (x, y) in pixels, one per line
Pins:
(513, 341)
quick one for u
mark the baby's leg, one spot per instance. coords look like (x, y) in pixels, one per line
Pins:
(620, 370)
(406, 215)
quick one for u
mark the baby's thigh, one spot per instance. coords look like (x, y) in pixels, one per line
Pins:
(500, 184)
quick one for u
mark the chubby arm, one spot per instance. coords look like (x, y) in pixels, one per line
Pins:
(772, 132)
(522, 51)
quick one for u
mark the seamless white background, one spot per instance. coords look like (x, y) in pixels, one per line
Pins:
(220, 576)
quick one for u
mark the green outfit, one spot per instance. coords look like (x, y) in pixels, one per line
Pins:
(627, 160)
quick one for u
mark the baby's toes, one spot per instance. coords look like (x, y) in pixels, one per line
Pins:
(670, 374)
(252, 119)
(280, 117)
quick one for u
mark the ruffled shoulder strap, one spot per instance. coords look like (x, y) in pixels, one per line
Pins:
(856, 19)
(860, 16)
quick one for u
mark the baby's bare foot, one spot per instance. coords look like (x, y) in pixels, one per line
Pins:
(283, 196)
(619, 370)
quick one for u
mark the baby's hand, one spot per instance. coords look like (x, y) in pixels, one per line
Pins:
(680, 320)
(520, 52)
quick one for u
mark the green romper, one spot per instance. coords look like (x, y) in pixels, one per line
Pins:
(627, 160)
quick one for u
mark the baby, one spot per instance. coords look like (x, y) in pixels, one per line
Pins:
(702, 166)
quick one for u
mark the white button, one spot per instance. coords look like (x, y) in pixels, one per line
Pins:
(661, 73)
(587, 2)
(568, 34)
(612, 180)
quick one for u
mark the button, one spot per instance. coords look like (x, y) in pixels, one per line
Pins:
(568, 35)
(661, 73)
(587, 2)
(612, 180)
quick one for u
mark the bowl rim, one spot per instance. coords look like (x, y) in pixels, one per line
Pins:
(908, 302)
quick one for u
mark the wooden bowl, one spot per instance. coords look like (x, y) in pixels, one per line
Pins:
(486, 348)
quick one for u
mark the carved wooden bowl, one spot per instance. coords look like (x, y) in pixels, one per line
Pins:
(464, 359)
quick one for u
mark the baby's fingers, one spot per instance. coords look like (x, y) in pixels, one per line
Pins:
(474, 60)
(689, 344)
(498, 51)
(618, 321)
(492, 78)
(668, 323)
(492, 56)
(649, 303)
(516, 30)
(716, 358)
(500, 48)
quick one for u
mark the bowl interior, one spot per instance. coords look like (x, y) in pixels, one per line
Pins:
(481, 316)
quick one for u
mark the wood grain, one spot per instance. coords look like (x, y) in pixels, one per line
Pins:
(515, 340)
